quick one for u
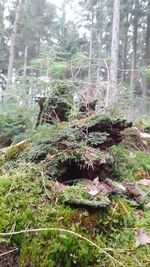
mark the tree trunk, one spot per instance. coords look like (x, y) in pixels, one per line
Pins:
(126, 25)
(114, 48)
(135, 35)
(2, 44)
(25, 60)
(124, 58)
(144, 86)
(12, 45)
(147, 48)
(90, 57)
(145, 83)
(90, 88)
(1, 21)
(100, 41)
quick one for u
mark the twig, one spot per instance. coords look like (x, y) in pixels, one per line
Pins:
(65, 231)
(8, 252)
(44, 183)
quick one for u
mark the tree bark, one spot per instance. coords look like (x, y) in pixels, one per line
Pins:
(135, 36)
(125, 41)
(145, 83)
(1, 20)
(144, 86)
(90, 57)
(25, 60)
(100, 41)
(2, 44)
(12, 45)
(147, 48)
(90, 88)
(114, 48)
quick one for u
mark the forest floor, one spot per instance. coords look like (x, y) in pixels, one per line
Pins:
(71, 198)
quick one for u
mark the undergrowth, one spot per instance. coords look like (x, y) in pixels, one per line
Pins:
(30, 200)
(25, 204)
(129, 162)
(14, 122)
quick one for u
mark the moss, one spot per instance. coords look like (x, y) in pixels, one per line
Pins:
(14, 151)
(57, 106)
(4, 181)
(25, 204)
(128, 163)
(28, 199)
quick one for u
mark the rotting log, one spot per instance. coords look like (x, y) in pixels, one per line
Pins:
(103, 130)
(56, 106)
(51, 110)
(12, 151)
(97, 195)
(78, 149)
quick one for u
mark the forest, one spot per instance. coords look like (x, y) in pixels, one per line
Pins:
(74, 133)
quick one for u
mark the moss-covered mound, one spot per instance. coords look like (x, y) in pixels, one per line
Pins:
(30, 201)
(62, 203)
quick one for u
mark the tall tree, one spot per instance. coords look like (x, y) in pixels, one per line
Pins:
(146, 82)
(91, 18)
(147, 41)
(13, 43)
(3, 50)
(88, 16)
(124, 38)
(115, 47)
(135, 39)
(37, 26)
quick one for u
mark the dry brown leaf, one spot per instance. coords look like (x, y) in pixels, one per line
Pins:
(142, 173)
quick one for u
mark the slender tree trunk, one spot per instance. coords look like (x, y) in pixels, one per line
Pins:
(147, 48)
(90, 59)
(144, 86)
(126, 24)
(135, 36)
(25, 60)
(115, 48)
(1, 21)
(99, 40)
(123, 78)
(12, 45)
(38, 45)
(146, 83)
(1, 47)
(90, 52)
(90, 92)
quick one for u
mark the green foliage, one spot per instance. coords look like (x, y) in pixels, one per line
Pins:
(147, 73)
(58, 69)
(13, 125)
(95, 139)
(36, 18)
(99, 118)
(129, 161)
(61, 92)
